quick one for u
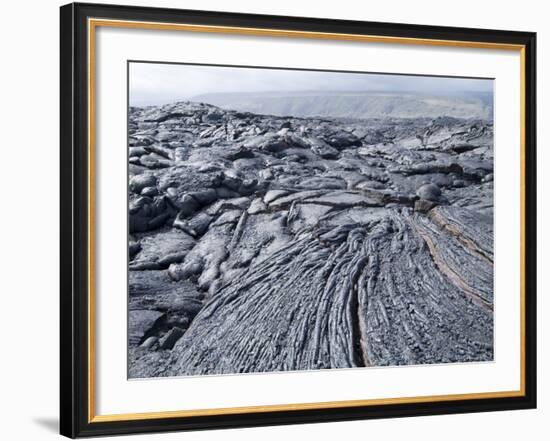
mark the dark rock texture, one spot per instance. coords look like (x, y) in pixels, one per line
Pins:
(265, 243)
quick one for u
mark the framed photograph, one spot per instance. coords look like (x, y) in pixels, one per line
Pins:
(273, 220)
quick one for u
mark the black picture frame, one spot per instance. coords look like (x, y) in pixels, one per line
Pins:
(75, 416)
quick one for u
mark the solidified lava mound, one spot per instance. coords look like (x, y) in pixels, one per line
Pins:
(266, 243)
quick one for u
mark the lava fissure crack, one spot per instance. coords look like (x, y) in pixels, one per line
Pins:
(450, 274)
(357, 320)
(451, 229)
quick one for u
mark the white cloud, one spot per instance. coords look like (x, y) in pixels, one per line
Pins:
(155, 83)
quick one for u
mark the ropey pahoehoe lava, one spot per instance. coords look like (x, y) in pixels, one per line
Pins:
(272, 243)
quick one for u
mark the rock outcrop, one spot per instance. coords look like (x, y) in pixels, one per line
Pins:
(264, 243)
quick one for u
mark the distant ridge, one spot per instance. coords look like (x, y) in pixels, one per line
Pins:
(478, 105)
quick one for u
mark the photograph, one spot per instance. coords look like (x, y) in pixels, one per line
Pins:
(289, 220)
(274, 219)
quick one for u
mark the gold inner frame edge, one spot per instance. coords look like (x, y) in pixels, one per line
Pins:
(92, 25)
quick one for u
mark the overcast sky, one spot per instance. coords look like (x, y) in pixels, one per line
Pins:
(153, 84)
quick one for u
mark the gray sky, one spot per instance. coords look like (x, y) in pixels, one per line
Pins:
(153, 84)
